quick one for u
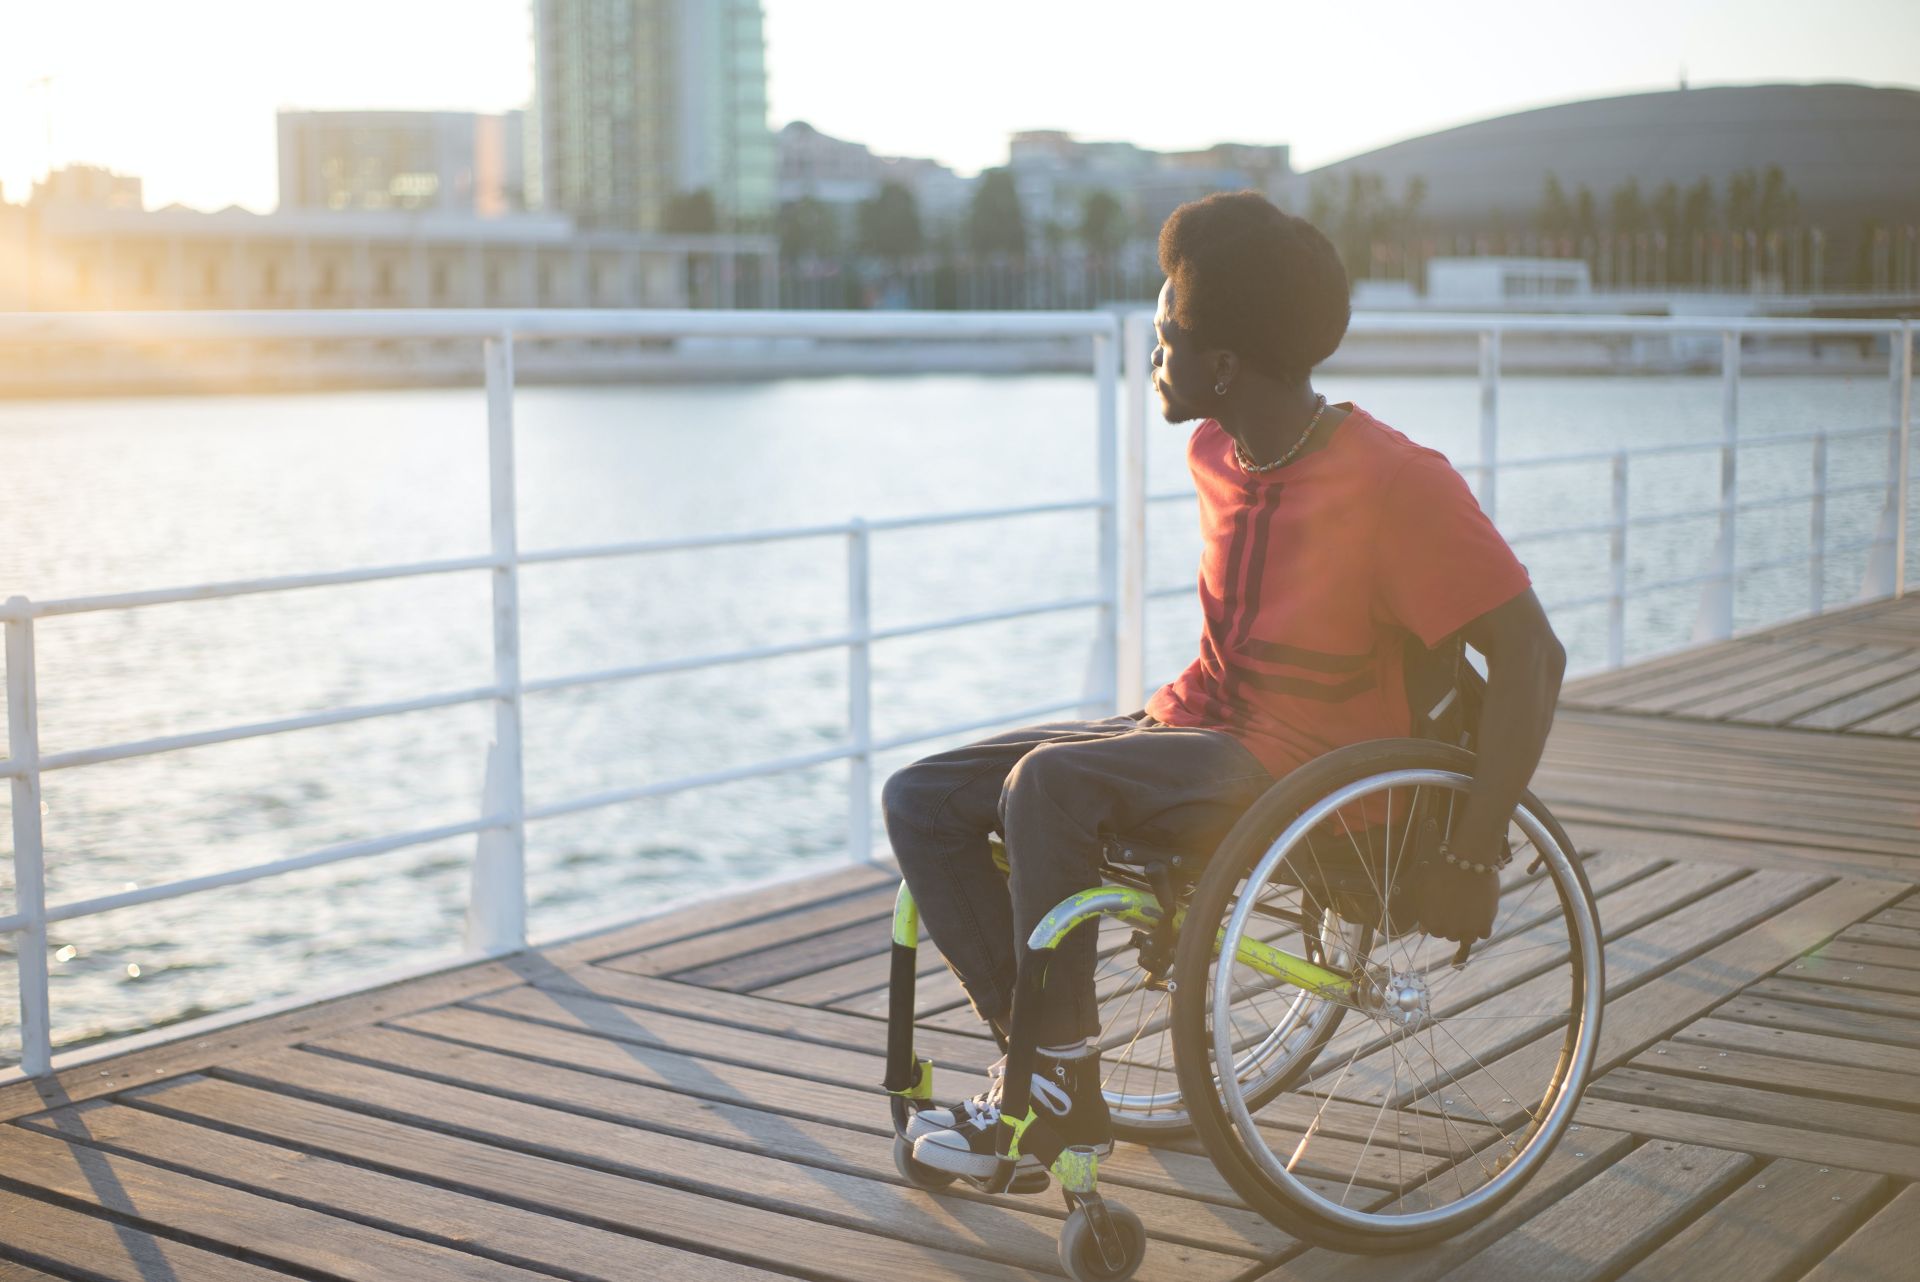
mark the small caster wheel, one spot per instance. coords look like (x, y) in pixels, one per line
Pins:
(918, 1174)
(1082, 1256)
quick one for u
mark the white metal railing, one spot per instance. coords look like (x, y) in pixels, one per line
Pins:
(1120, 355)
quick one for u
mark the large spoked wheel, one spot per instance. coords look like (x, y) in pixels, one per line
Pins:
(1137, 1042)
(1444, 1088)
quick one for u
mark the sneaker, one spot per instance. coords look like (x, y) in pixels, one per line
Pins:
(1068, 1109)
(928, 1120)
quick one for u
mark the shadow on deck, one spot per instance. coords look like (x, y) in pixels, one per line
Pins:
(691, 1097)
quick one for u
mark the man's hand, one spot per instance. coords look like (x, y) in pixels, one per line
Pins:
(1452, 902)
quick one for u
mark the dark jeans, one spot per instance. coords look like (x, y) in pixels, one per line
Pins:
(1051, 791)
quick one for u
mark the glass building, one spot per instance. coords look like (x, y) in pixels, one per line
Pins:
(638, 102)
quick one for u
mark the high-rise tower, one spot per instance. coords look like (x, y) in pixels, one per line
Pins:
(640, 101)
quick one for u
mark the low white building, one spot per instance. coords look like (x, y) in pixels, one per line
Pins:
(57, 256)
(1494, 282)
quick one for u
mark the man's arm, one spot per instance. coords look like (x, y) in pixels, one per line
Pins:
(1525, 662)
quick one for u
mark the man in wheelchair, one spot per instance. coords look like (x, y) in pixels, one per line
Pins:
(1329, 539)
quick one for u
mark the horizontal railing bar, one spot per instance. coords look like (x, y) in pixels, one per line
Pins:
(985, 616)
(1171, 496)
(688, 663)
(643, 547)
(1156, 594)
(242, 587)
(744, 538)
(558, 322)
(1454, 322)
(1665, 518)
(732, 774)
(1680, 447)
(298, 863)
(990, 514)
(255, 730)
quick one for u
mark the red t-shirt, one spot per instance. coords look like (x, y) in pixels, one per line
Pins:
(1311, 576)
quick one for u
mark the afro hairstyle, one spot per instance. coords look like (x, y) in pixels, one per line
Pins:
(1256, 281)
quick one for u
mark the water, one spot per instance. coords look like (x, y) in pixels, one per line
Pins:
(117, 495)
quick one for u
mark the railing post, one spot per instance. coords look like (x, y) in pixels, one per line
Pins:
(859, 694)
(1886, 556)
(1100, 694)
(1489, 421)
(497, 903)
(1817, 530)
(1716, 600)
(1617, 567)
(29, 860)
(1130, 649)
(1904, 507)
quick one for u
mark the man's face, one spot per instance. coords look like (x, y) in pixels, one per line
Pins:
(1180, 372)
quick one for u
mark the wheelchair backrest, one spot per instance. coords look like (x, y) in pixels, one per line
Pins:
(1444, 692)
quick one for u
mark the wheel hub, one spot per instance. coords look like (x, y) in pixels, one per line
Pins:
(1404, 1000)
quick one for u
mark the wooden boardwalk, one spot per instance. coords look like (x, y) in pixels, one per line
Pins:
(692, 1097)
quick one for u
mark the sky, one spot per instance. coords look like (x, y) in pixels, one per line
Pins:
(183, 93)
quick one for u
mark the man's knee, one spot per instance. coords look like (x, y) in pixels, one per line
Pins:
(1045, 773)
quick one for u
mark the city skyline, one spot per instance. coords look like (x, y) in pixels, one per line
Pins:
(193, 116)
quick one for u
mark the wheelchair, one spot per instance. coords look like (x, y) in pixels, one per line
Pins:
(1362, 1085)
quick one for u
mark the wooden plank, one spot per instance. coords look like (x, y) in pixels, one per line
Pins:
(1847, 950)
(1581, 1156)
(1603, 687)
(1771, 1013)
(1771, 1139)
(861, 975)
(11, 1272)
(1795, 691)
(57, 1237)
(1784, 746)
(1883, 1250)
(1771, 669)
(1654, 1010)
(1643, 688)
(481, 1225)
(763, 905)
(1844, 1080)
(1845, 996)
(1737, 671)
(1902, 719)
(741, 1045)
(1826, 684)
(288, 1235)
(1754, 809)
(1611, 1219)
(780, 1019)
(1828, 969)
(1623, 836)
(1867, 703)
(1770, 1229)
(777, 962)
(1700, 1093)
(676, 1187)
(873, 906)
(1893, 936)
(1820, 1048)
